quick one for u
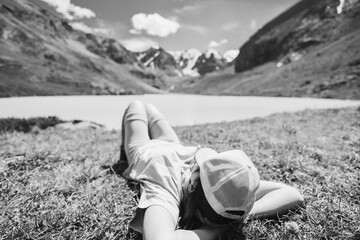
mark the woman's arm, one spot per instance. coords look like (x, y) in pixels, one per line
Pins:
(274, 199)
(159, 225)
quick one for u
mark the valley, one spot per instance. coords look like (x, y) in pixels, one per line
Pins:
(308, 51)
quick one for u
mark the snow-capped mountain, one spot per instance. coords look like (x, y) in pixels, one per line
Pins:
(230, 55)
(216, 54)
(187, 60)
(194, 63)
(157, 58)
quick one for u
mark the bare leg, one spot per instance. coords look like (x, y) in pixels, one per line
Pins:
(134, 132)
(159, 127)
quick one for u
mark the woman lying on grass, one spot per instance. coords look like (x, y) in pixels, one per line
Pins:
(191, 192)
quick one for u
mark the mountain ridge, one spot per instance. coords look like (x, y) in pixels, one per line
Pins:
(41, 54)
(310, 51)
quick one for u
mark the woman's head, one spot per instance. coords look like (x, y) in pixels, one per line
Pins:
(194, 208)
(222, 188)
(229, 180)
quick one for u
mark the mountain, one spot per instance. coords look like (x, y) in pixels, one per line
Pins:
(310, 50)
(195, 63)
(41, 54)
(186, 60)
(158, 58)
(230, 55)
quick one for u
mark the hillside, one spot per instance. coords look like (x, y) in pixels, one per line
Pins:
(309, 50)
(41, 54)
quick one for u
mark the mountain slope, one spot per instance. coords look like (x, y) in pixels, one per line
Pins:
(306, 24)
(41, 54)
(318, 50)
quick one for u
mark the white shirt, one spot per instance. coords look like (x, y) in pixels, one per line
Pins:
(161, 168)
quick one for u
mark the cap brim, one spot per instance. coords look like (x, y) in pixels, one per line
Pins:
(204, 153)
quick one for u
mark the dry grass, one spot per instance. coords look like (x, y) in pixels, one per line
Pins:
(52, 186)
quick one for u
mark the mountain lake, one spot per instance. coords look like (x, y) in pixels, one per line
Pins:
(179, 109)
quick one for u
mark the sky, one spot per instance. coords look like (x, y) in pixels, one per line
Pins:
(172, 24)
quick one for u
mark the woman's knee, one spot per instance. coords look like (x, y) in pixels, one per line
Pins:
(153, 113)
(136, 104)
(135, 111)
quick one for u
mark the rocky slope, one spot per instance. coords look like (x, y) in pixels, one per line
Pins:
(308, 23)
(311, 50)
(41, 54)
(158, 58)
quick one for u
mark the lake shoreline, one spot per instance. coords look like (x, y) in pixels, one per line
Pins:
(179, 109)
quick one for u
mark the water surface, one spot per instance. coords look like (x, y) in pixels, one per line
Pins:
(179, 109)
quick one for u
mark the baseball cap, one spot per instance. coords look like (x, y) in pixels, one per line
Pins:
(229, 180)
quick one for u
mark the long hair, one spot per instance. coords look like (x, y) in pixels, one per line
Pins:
(192, 197)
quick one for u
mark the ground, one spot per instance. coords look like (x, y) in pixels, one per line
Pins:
(52, 185)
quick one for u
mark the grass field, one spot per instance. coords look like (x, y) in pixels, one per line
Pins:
(52, 185)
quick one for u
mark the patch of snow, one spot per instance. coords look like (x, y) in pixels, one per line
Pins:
(190, 72)
(191, 56)
(340, 7)
(151, 60)
(6, 34)
(187, 60)
(292, 57)
(141, 56)
(213, 51)
(230, 55)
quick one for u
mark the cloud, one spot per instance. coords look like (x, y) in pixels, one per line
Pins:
(135, 31)
(195, 28)
(139, 44)
(85, 28)
(214, 44)
(230, 26)
(116, 29)
(187, 9)
(69, 10)
(253, 25)
(153, 24)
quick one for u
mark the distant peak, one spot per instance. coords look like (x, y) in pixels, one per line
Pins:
(230, 55)
(215, 52)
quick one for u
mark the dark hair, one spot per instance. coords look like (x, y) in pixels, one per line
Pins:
(192, 195)
(194, 199)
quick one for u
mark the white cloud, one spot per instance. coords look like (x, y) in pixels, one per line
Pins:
(69, 10)
(85, 28)
(253, 25)
(139, 44)
(214, 44)
(230, 26)
(154, 24)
